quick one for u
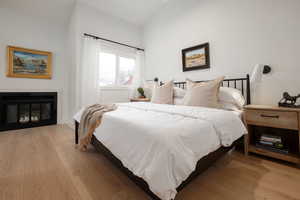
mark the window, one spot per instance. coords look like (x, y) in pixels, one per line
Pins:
(107, 69)
(116, 70)
(126, 70)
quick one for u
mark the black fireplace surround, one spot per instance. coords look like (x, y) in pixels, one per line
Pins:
(20, 110)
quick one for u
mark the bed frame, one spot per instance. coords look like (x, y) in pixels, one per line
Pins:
(243, 84)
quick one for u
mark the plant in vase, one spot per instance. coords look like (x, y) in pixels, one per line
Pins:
(141, 92)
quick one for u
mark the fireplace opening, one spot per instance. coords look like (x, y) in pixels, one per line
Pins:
(27, 109)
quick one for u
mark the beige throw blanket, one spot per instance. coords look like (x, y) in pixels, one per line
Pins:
(90, 120)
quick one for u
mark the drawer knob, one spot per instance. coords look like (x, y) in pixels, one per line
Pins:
(270, 116)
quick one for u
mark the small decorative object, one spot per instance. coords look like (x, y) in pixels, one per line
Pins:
(28, 63)
(289, 101)
(141, 92)
(34, 118)
(196, 57)
(24, 119)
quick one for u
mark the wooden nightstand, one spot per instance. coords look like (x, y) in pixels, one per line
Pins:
(277, 122)
(140, 100)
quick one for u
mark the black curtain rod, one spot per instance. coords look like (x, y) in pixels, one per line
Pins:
(99, 38)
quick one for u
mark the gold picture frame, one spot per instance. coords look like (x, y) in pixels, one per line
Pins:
(28, 63)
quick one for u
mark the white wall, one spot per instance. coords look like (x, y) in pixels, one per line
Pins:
(95, 22)
(86, 19)
(33, 33)
(241, 33)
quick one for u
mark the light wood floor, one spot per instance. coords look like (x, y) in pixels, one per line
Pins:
(42, 164)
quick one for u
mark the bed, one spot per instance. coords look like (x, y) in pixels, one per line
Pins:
(163, 162)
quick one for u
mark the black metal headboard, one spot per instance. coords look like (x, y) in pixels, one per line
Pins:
(242, 84)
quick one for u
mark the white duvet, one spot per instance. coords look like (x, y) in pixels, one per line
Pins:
(162, 143)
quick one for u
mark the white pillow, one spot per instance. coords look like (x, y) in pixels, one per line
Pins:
(231, 98)
(229, 106)
(179, 92)
(203, 94)
(178, 101)
(163, 94)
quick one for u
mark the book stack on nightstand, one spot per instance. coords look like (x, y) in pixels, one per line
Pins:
(274, 132)
(272, 143)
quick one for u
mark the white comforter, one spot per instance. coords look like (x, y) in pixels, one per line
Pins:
(162, 143)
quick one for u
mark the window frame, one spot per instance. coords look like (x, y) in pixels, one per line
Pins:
(118, 54)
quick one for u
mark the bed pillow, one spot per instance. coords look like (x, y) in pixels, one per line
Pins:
(179, 92)
(163, 94)
(203, 94)
(229, 106)
(178, 101)
(231, 98)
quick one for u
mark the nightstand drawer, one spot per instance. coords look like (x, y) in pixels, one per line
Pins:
(276, 119)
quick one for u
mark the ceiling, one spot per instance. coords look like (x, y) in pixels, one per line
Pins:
(133, 11)
(58, 11)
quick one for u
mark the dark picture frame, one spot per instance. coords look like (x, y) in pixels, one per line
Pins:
(196, 58)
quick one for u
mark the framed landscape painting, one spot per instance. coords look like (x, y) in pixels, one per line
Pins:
(28, 63)
(196, 57)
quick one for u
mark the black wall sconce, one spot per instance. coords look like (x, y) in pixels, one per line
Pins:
(267, 69)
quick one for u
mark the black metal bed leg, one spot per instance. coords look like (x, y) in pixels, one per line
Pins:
(76, 132)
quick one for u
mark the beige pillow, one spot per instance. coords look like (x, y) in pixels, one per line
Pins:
(163, 94)
(203, 94)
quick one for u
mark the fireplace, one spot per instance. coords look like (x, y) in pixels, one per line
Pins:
(27, 109)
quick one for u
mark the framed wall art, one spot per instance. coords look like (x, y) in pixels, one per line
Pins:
(28, 63)
(195, 58)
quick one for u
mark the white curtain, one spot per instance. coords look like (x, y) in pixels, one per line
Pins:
(138, 73)
(89, 88)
